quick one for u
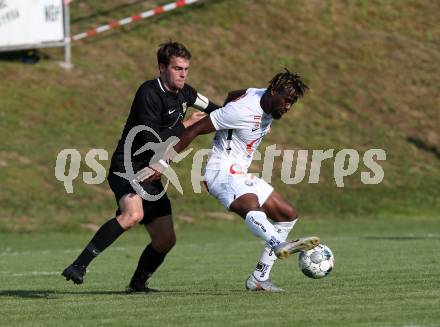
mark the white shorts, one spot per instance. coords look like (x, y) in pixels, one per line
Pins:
(226, 185)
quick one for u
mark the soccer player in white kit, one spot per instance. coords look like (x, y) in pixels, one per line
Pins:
(240, 126)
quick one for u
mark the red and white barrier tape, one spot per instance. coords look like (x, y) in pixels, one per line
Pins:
(134, 18)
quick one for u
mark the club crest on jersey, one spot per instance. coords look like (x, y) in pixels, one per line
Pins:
(249, 183)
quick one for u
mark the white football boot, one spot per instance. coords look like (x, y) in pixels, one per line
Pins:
(253, 284)
(284, 249)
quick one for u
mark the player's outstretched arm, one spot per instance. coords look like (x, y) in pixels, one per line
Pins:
(203, 126)
(202, 103)
(155, 170)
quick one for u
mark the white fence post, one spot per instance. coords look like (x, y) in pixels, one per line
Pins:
(67, 64)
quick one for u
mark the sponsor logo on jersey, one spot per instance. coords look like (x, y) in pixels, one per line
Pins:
(236, 169)
(250, 147)
(257, 123)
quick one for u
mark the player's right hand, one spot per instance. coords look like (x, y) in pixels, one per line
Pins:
(153, 172)
(147, 175)
(194, 118)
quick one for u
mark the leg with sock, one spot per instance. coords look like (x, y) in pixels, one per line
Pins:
(268, 258)
(105, 236)
(261, 227)
(149, 261)
(162, 236)
(259, 279)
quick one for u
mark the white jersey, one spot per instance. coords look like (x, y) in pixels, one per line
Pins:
(240, 125)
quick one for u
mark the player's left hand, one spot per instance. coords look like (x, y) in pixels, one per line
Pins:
(194, 118)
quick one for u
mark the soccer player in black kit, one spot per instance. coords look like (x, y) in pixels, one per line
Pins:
(159, 104)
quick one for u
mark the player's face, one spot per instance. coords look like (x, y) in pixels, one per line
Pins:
(282, 101)
(174, 75)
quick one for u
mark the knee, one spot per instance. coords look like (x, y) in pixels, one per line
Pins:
(295, 214)
(165, 243)
(290, 213)
(170, 243)
(128, 220)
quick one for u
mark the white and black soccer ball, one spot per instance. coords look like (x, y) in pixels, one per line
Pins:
(317, 262)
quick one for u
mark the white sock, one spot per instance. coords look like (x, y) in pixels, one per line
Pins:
(284, 228)
(261, 227)
(268, 258)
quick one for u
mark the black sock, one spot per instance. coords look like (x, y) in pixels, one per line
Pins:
(149, 261)
(105, 236)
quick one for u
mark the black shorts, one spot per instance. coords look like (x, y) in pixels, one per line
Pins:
(152, 209)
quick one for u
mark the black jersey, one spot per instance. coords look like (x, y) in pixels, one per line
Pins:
(158, 109)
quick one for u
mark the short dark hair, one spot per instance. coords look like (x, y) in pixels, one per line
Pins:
(289, 81)
(170, 49)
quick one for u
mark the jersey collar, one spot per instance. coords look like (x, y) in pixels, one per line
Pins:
(164, 90)
(160, 85)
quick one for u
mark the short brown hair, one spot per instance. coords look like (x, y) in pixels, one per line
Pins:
(170, 49)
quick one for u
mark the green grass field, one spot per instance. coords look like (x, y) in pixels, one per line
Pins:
(373, 70)
(386, 274)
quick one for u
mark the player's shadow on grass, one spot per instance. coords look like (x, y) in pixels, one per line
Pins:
(47, 294)
(53, 294)
(401, 238)
(217, 292)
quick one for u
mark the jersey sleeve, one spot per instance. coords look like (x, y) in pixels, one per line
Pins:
(198, 101)
(231, 116)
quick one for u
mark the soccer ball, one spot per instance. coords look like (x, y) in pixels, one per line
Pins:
(317, 262)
